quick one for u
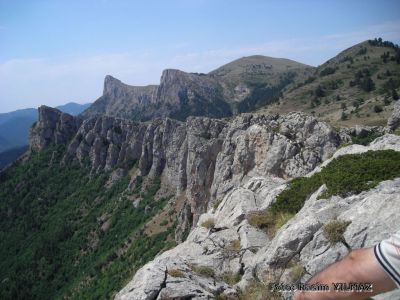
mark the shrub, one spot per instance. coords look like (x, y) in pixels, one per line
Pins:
(216, 204)
(367, 84)
(297, 272)
(327, 71)
(282, 218)
(320, 92)
(333, 231)
(231, 278)
(261, 219)
(209, 223)
(258, 291)
(164, 222)
(117, 130)
(176, 273)
(269, 221)
(203, 271)
(233, 246)
(378, 109)
(365, 140)
(395, 96)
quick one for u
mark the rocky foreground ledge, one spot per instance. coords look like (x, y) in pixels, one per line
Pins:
(225, 243)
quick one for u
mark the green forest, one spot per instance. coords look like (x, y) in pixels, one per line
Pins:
(53, 244)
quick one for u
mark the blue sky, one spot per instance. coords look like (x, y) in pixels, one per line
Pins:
(53, 52)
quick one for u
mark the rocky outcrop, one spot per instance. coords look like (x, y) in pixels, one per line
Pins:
(52, 127)
(230, 245)
(205, 158)
(261, 145)
(394, 120)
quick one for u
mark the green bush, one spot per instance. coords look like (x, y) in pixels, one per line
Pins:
(343, 176)
(333, 231)
(231, 278)
(209, 223)
(365, 140)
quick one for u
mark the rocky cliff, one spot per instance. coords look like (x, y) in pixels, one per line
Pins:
(231, 254)
(249, 82)
(52, 127)
(205, 158)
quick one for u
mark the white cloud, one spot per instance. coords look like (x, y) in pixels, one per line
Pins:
(54, 81)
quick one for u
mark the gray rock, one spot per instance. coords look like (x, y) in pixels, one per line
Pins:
(52, 127)
(394, 120)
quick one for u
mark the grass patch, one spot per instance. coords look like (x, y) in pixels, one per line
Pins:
(209, 223)
(233, 246)
(333, 231)
(216, 204)
(231, 278)
(345, 175)
(269, 221)
(297, 272)
(176, 273)
(164, 222)
(258, 291)
(203, 271)
(282, 218)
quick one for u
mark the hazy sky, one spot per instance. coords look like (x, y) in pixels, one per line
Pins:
(53, 52)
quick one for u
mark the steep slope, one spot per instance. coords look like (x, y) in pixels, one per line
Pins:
(239, 86)
(358, 86)
(66, 233)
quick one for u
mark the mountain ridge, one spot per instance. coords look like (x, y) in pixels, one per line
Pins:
(181, 94)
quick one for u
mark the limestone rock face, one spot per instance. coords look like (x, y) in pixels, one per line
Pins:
(226, 248)
(262, 145)
(202, 157)
(232, 245)
(52, 127)
(394, 120)
(179, 95)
